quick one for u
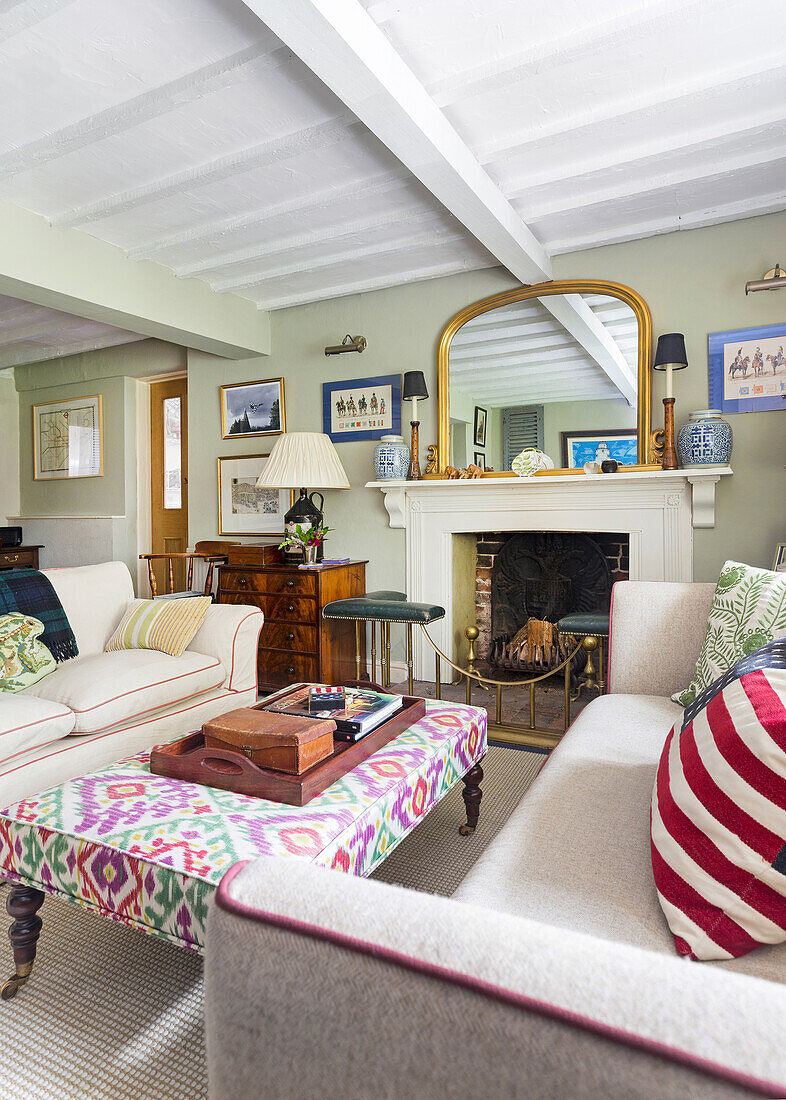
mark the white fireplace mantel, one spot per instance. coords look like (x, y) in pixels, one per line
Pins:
(401, 497)
(658, 509)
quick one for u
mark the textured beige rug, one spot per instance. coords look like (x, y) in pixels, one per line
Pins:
(111, 1014)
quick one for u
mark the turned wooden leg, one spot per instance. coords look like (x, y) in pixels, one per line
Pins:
(23, 904)
(472, 795)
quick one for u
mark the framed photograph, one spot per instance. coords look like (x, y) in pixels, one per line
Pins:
(362, 408)
(253, 408)
(480, 426)
(243, 508)
(68, 439)
(747, 369)
(581, 447)
(480, 460)
(779, 564)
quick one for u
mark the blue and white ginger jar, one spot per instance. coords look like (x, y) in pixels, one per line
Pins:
(705, 440)
(391, 458)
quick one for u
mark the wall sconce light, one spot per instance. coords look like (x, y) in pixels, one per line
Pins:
(349, 343)
(773, 279)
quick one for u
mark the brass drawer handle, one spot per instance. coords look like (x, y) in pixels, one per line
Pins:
(11, 557)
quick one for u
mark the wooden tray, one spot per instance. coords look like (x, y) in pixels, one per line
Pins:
(190, 760)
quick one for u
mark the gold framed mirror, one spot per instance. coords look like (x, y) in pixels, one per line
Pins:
(556, 365)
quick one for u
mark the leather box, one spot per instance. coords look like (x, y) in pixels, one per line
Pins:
(282, 742)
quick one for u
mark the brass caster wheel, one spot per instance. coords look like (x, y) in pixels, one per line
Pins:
(10, 988)
(466, 830)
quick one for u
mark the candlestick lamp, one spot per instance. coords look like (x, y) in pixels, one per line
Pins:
(415, 390)
(670, 356)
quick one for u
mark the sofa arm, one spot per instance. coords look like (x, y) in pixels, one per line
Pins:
(230, 632)
(656, 634)
(323, 984)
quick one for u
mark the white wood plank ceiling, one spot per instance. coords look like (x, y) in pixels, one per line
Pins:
(185, 131)
(520, 354)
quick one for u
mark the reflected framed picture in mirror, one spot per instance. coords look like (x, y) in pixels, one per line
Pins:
(480, 426)
(480, 460)
(597, 446)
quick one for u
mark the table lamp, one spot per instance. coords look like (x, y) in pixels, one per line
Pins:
(670, 356)
(414, 390)
(299, 459)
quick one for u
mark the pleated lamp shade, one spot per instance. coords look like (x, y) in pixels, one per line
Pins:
(303, 460)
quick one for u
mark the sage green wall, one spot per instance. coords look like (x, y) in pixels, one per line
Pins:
(114, 373)
(9, 447)
(693, 282)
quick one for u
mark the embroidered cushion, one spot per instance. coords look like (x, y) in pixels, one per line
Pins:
(166, 625)
(25, 659)
(748, 610)
(718, 818)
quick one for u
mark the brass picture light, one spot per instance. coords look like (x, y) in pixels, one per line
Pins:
(773, 279)
(349, 343)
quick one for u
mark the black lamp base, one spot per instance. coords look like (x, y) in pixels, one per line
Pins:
(303, 513)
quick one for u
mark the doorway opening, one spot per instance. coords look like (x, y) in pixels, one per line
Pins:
(169, 476)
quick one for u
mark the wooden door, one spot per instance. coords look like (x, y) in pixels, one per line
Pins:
(169, 472)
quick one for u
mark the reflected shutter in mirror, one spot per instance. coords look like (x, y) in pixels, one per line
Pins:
(522, 428)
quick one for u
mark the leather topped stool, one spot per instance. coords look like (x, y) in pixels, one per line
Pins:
(385, 607)
(592, 627)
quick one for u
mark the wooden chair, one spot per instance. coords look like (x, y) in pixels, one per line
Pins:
(212, 552)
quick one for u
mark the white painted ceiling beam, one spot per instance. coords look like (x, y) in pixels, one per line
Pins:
(406, 242)
(79, 274)
(310, 140)
(341, 44)
(363, 286)
(577, 317)
(38, 353)
(265, 251)
(208, 233)
(20, 15)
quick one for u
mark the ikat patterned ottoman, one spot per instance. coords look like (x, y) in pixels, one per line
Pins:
(149, 851)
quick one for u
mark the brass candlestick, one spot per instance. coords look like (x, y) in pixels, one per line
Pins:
(669, 461)
(414, 461)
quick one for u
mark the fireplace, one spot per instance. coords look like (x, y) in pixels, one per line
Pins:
(541, 575)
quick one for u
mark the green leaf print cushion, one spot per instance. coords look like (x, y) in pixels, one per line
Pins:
(748, 610)
(24, 660)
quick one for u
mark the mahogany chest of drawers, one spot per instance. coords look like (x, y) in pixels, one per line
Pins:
(19, 557)
(296, 643)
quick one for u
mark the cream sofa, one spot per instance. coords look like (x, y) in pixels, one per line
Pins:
(551, 972)
(99, 707)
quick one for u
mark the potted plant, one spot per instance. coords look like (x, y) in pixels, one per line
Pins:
(309, 539)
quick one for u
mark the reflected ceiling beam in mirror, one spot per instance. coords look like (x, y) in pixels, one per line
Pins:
(345, 48)
(577, 317)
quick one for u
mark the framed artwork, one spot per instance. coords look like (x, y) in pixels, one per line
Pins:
(480, 426)
(253, 408)
(243, 507)
(779, 563)
(362, 408)
(581, 447)
(68, 439)
(747, 369)
(480, 460)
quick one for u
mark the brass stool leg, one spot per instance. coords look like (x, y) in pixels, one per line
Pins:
(357, 649)
(437, 684)
(410, 667)
(601, 676)
(387, 651)
(373, 651)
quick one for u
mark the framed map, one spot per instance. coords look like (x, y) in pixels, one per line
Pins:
(245, 508)
(68, 439)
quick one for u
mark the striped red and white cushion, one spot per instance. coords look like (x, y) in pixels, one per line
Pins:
(718, 819)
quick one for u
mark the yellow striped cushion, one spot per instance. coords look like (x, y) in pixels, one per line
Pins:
(166, 625)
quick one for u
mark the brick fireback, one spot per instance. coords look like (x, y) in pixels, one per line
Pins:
(613, 544)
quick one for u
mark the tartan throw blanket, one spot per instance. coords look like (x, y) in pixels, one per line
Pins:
(30, 592)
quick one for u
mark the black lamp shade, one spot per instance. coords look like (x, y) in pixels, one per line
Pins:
(414, 385)
(670, 352)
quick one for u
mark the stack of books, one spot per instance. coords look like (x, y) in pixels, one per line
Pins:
(355, 711)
